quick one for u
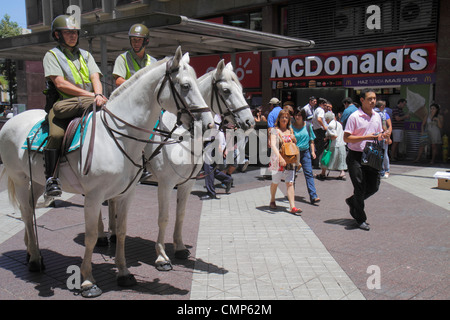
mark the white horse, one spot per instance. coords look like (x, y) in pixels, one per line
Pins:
(120, 135)
(179, 164)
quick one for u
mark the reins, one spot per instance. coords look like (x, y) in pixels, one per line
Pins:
(218, 98)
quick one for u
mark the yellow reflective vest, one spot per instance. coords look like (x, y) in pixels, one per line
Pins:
(80, 77)
(131, 64)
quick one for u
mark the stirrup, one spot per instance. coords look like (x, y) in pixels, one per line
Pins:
(52, 188)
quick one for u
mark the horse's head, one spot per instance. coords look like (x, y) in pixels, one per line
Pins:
(228, 99)
(181, 94)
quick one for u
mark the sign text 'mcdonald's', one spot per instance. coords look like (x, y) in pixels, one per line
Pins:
(368, 62)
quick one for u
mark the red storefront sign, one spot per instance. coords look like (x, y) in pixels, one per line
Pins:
(247, 66)
(411, 59)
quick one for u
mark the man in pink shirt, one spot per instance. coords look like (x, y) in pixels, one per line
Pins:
(362, 125)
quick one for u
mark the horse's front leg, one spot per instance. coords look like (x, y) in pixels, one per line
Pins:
(181, 252)
(162, 261)
(91, 215)
(122, 204)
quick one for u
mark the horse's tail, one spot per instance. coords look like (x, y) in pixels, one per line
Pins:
(11, 192)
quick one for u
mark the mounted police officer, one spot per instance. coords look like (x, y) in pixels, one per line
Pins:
(75, 77)
(131, 61)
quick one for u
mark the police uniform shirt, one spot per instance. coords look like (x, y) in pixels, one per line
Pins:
(52, 67)
(120, 68)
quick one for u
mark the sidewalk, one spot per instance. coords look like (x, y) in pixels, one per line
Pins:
(240, 249)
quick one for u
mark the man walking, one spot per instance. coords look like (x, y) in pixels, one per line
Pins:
(362, 125)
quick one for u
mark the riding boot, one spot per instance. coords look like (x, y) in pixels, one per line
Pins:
(52, 188)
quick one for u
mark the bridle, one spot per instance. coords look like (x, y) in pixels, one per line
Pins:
(179, 101)
(219, 98)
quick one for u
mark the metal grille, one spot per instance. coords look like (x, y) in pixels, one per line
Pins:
(341, 25)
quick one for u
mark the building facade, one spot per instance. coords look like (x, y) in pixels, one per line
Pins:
(398, 47)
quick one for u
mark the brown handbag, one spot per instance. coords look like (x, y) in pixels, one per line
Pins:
(289, 151)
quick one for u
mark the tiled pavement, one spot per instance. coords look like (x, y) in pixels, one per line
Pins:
(242, 250)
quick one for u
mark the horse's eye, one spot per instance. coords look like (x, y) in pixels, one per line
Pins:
(185, 86)
(226, 91)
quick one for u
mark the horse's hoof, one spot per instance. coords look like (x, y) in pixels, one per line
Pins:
(91, 291)
(113, 238)
(36, 266)
(102, 242)
(126, 281)
(182, 254)
(164, 266)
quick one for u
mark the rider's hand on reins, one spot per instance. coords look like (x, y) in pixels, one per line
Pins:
(100, 99)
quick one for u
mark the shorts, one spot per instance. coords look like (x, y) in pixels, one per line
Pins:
(397, 135)
(288, 176)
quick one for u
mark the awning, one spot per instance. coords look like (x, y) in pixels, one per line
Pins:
(167, 32)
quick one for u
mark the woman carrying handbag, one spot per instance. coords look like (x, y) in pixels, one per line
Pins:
(280, 134)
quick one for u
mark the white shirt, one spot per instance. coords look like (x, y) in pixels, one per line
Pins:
(318, 113)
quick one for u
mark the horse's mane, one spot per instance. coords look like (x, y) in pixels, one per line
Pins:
(136, 77)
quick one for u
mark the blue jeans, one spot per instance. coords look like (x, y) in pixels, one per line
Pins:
(385, 167)
(305, 160)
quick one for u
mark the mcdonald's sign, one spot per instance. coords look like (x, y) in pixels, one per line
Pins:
(392, 61)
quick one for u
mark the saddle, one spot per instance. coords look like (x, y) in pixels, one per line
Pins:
(73, 137)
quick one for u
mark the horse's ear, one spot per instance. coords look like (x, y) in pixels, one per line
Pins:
(219, 69)
(229, 66)
(186, 58)
(176, 59)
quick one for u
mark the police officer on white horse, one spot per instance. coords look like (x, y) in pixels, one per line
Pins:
(73, 84)
(131, 61)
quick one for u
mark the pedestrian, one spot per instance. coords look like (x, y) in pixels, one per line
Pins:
(432, 125)
(320, 127)
(362, 125)
(350, 107)
(309, 108)
(336, 146)
(215, 144)
(282, 133)
(275, 109)
(73, 79)
(380, 107)
(304, 134)
(398, 127)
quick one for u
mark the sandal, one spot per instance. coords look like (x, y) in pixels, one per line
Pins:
(296, 211)
(320, 176)
(342, 178)
(272, 205)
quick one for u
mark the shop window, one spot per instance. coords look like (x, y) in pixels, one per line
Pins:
(252, 21)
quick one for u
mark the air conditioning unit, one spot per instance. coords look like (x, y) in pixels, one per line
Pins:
(347, 22)
(415, 14)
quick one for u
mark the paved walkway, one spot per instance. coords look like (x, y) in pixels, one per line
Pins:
(240, 249)
(257, 253)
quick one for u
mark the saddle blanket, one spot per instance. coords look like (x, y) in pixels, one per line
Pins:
(39, 136)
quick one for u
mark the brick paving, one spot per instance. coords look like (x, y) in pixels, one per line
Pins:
(242, 250)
